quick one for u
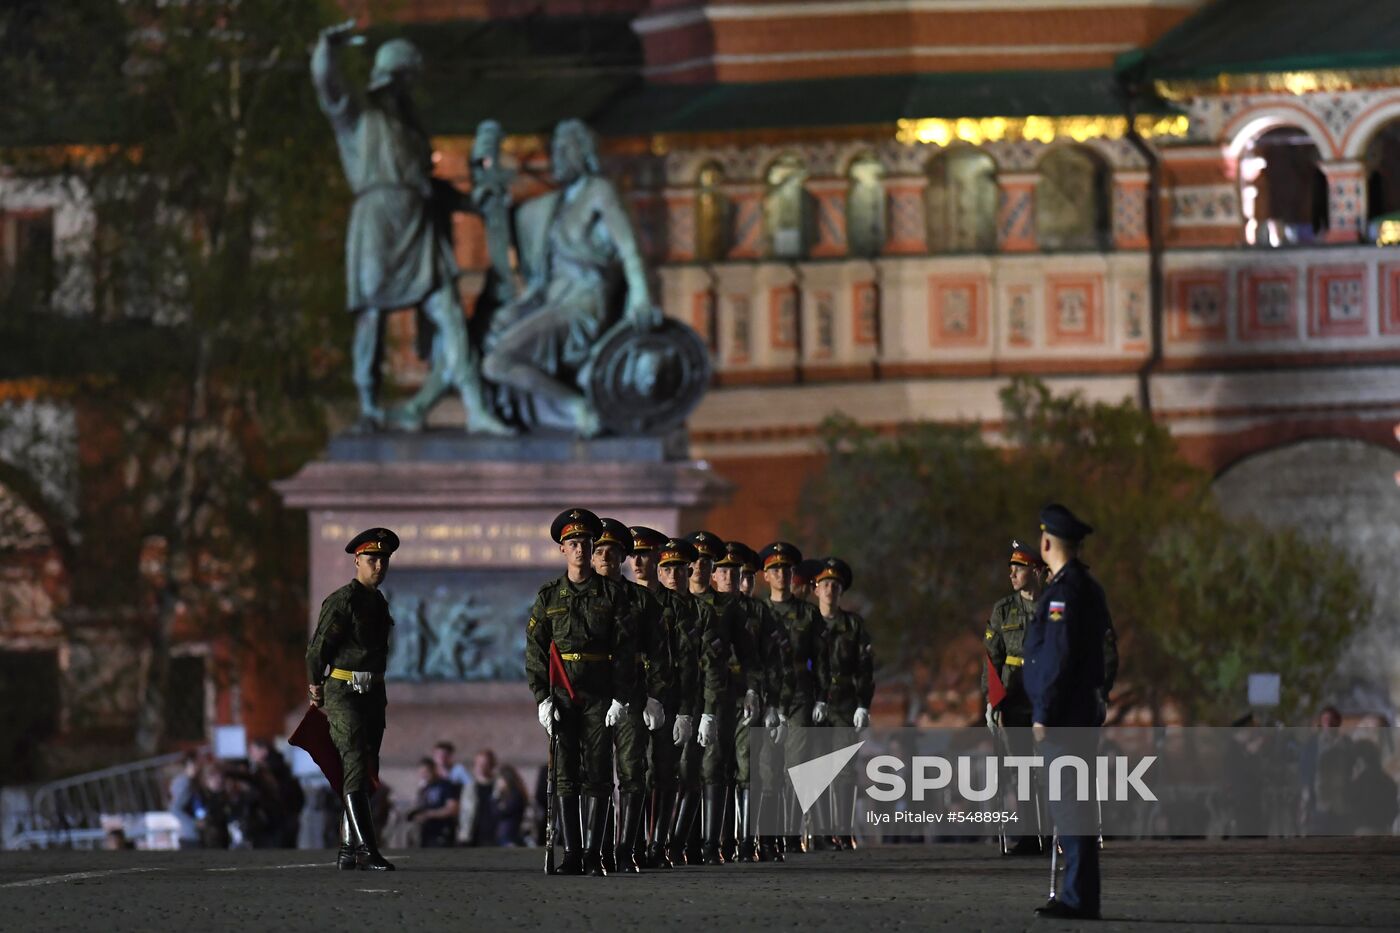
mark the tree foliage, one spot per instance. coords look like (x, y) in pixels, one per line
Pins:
(1199, 602)
(198, 323)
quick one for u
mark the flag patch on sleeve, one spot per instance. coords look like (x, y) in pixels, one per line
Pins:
(1057, 610)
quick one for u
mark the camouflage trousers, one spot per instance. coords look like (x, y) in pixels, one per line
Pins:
(717, 766)
(357, 729)
(630, 740)
(583, 750)
(665, 756)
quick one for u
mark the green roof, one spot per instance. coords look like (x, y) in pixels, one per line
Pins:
(876, 99)
(1255, 36)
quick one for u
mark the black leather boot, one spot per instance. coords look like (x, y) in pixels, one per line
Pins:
(796, 844)
(711, 815)
(595, 815)
(658, 852)
(362, 825)
(609, 837)
(748, 846)
(687, 806)
(767, 850)
(728, 843)
(629, 824)
(571, 828)
(345, 860)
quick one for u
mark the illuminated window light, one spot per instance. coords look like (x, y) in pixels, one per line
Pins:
(941, 132)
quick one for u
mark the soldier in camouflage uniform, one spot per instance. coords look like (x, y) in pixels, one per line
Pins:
(663, 566)
(806, 634)
(591, 620)
(351, 648)
(675, 559)
(1006, 634)
(646, 713)
(767, 684)
(728, 649)
(851, 680)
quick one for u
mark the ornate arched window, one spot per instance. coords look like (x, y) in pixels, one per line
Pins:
(786, 214)
(1072, 200)
(865, 206)
(711, 214)
(961, 210)
(1383, 173)
(1283, 193)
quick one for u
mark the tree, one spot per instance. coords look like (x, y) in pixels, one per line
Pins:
(197, 327)
(1198, 601)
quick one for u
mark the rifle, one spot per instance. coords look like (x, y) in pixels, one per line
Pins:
(549, 811)
(556, 670)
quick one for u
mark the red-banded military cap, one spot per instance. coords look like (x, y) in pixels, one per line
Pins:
(834, 568)
(646, 539)
(1024, 555)
(708, 544)
(806, 571)
(733, 555)
(373, 541)
(615, 533)
(575, 523)
(751, 562)
(780, 554)
(677, 551)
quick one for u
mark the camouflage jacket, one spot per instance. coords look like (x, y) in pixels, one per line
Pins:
(352, 633)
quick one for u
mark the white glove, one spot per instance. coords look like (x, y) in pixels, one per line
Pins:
(709, 731)
(861, 719)
(770, 718)
(682, 730)
(991, 717)
(654, 715)
(616, 712)
(546, 714)
(819, 713)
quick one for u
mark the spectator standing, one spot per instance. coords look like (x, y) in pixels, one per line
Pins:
(484, 784)
(510, 800)
(209, 806)
(182, 790)
(435, 810)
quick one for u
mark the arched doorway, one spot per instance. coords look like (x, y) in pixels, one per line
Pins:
(1344, 490)
(1283, 192)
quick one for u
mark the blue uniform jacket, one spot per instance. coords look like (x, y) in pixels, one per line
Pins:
(1064, 667)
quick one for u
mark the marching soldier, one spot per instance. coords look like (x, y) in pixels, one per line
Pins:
(589, 620)
(767, 683)
(1064, 677)
(352, 641)
(646, 714)
(680, 697)
(806, 635)
(850, 663)
(675, 558)
(728, 648)
(1005, 641)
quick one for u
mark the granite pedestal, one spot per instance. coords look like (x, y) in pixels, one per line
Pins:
(473, 517)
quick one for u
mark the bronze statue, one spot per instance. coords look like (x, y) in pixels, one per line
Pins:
(398, 249)
(583, 272)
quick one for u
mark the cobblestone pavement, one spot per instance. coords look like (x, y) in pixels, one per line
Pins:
(1157, 886)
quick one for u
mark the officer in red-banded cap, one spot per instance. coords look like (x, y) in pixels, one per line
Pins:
(345, 664)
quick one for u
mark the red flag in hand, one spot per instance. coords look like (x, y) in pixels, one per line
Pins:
(557, 675)
(996, 690)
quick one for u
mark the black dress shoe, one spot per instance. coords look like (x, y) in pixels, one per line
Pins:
(1058, 910)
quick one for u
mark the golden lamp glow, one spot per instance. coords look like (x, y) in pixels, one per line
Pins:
(1388, 234)
(940, 132)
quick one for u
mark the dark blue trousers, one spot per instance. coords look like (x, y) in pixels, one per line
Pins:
(1080, 889)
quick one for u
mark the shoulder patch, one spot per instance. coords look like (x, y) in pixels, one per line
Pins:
(530, 626)
(1057, 610)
